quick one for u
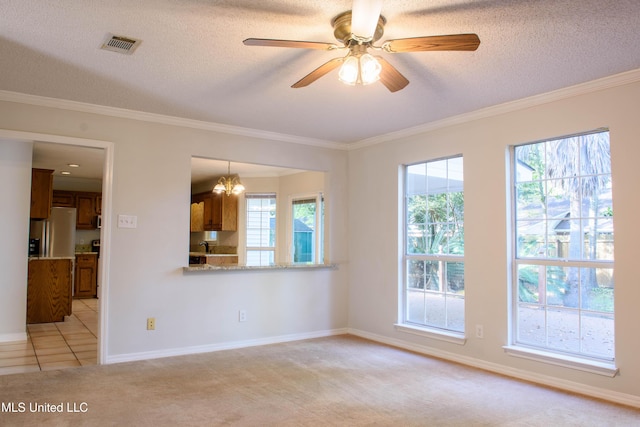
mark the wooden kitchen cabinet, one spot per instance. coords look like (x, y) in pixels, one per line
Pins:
(86, 277)
(49, 290)
(219, 212)
(197, 216)
(228, 208)
(88, 206)
(64, 199)
(41, 193)
(85, 211)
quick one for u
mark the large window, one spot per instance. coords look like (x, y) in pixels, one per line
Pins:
(307, 242)
(434, 245)
(261, 229)
(563, 227)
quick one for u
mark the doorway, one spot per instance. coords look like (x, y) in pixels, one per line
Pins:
(55, 148)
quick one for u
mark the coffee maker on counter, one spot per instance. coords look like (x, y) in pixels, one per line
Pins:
(95, 246)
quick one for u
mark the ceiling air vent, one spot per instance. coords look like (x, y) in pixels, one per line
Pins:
(121, 44)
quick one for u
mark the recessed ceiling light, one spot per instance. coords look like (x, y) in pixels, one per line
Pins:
(73, 165)
(65, 173)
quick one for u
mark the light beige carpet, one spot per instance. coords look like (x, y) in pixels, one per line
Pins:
(335, 381)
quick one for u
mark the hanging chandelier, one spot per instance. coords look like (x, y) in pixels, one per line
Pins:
(229, 184)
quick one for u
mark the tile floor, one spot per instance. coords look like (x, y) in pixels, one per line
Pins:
(55, 345)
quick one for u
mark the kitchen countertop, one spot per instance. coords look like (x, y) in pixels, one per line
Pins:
(204, 254)
(48, 258)
(235, 267)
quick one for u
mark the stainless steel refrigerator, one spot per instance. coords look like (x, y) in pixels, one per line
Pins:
(57, 234)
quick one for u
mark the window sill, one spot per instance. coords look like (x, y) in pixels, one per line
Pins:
(592, 366)
(436, 334)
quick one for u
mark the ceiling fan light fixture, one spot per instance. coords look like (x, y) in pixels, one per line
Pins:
(349, 70)
(370, 69)
(360, 69)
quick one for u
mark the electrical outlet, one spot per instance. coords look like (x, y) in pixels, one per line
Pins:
(242, 316)
(151, 323)
(479, 331)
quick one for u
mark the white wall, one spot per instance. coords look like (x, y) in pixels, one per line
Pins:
(193, 311)
(374, 224)
(198, 311)
(15, 187)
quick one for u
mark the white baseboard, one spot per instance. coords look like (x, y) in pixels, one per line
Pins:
(578, 388)
(130, 357)
(18, 336)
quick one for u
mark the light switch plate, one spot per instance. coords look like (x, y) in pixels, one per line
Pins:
(127, 221)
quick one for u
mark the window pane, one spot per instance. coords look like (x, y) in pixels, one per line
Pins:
(597, 334)
(596, 285)
(456, 241)
(307, 244)
(531, 325)
(435, 310)
(434, 228)
(563, 209)
(415, 307)
(531, 200)
(261, 222)
(416, 274)
(561, 330)
(304, 221)
(531, 289)
(530, 162)
(531, 239)
(417, 179)
(260, 257)
(455, 313)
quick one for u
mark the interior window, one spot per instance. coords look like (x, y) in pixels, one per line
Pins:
(307, 244)
(261, 229)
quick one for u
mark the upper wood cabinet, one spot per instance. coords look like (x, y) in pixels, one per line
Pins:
(219, 212)
(41, 193)
(86, 211)
(197, 214)
(229, 212)
(64, 199)
(88, 206)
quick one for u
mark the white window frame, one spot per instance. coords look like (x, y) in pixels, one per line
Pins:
(580, 361)
(318, 244)
(262, 248)
(404, 325)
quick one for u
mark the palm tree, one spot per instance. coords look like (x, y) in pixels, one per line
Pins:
(587, 156)
(580, 168)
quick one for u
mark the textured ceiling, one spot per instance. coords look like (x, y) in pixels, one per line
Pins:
(192, 62)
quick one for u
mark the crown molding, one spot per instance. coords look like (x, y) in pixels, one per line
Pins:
(507, 107)
(495, 110)
(64, 104)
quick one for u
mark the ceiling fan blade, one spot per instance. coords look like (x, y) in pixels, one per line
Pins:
(390, 77)
(318, 72)
(433, 43)
(364, 17)
(290, 43)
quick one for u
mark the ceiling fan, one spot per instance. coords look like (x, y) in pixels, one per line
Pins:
(357, 30)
